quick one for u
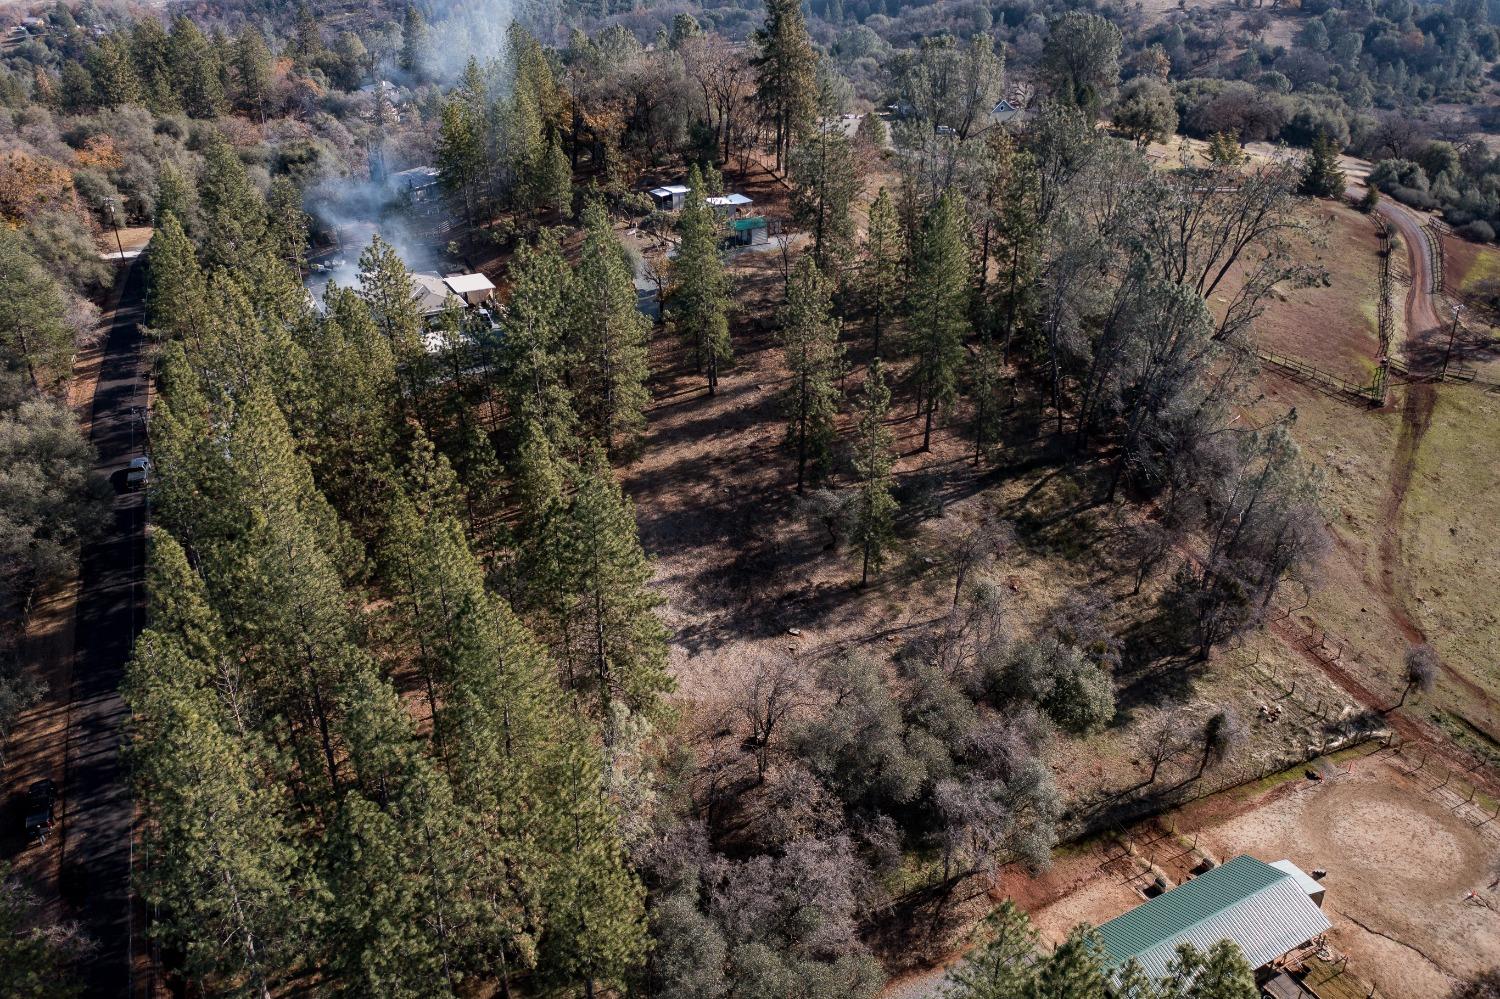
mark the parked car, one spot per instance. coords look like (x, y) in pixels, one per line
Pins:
(41, 806)
(138, 472)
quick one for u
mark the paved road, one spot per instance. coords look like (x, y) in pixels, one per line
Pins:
(97, 817)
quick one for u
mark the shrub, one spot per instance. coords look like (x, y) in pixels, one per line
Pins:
(1479, 231)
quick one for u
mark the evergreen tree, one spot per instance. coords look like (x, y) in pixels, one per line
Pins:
(354, 421)
(609, 335)
(985, 390)
(555, 178)
(35, 337)
(223, 870)
(195, 70)
(1321, 176)
(415, 45)
(884, 266)
(872, 512)
(810, 346)
(939, 311)
(825, 181)
(252, 72)
(288, 224)
(536, 360)
(1074, 970)
(386, 288)
(612, 642)
(700, 299)
(149, 52)
(786, 74)
(115, 81)
(1221, 972)
(234, 216)
(1004, 965)
(461, 156)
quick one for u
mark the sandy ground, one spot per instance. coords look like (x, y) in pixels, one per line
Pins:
(1400, 857)
(1400, 863)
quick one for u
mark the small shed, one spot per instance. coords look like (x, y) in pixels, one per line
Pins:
(474, 289)
(728, 204)
(1264, 910)
(669, 198)
(749, 231)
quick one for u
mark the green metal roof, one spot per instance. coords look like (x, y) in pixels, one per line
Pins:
(1263, 910)
(753, 222)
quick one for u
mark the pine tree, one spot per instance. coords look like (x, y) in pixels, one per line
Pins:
(609, 336)
(1074, 970)
(555, 177)
(115, 81)
(1321, 176)
(810, 345)
(252, 72)
(536, 361)
(234, 216)
(288, 224)
(415, 45)
(597, 931)
(34, 335)
(786, 74)
(354, 423)
(386, 287)
(700, 300)
(884, 266)
(1004, 965)
(194, 70)
(985, 390)
(612, 643)
(873, 509)
(223, 870)
(939, 311)
(825, 181)
(148, 50)
(461, 158)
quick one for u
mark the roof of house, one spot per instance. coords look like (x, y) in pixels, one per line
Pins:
(1304, 880)
(753, 222)
(1261, 908)
(729, 201)
(431, 292)
(464, 284)
(667, 189)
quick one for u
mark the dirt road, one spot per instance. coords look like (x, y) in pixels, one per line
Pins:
(75, 735)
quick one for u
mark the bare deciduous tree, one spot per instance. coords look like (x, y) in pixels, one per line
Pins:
(772, 693)
(1421, 668)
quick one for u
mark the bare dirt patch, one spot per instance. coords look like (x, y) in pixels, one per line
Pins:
(1400, 863)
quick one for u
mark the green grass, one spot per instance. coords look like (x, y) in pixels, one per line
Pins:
(1486, 266)
(1451, 542)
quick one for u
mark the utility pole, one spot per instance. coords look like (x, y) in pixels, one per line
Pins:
(1452, 335)
(115, 221)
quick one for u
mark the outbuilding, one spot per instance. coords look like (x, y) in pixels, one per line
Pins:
(1266, 910)
(474, 289)
(729, 204)
(669, 198)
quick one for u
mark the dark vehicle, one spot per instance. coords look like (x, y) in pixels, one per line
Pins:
(41, 804)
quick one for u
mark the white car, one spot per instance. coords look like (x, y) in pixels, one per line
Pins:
(138, 472)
